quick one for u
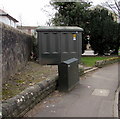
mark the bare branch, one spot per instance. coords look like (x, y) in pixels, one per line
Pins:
(118, 7)
(114, 6)
(110, 6)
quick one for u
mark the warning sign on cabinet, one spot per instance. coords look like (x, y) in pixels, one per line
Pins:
(74, 36)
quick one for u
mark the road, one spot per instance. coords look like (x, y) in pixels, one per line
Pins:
(93, 97)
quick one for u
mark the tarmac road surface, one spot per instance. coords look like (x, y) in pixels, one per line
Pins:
(93, 97)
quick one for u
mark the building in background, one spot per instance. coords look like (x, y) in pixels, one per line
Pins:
(7, 19)
(31, 30)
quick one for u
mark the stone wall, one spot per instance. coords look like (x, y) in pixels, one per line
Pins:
(102, 63)
(20, 104)
(16, 48)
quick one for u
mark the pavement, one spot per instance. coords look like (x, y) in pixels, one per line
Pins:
(94, 96)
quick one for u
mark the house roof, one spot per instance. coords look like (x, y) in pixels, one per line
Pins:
(3, 13)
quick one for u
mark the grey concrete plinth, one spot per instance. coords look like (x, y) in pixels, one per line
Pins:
(89, 53)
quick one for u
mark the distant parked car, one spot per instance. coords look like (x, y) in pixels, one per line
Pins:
(109, 53)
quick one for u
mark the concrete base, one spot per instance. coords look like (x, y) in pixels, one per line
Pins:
(89, 53)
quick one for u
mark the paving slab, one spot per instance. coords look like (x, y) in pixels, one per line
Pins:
(101, 92)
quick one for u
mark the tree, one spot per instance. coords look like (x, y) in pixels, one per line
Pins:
(98, 24)
(73, 14)
(103, 32)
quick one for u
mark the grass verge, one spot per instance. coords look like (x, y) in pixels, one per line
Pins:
(90, 61)
(28, 76)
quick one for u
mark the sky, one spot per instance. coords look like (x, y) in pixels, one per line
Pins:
(31, 12)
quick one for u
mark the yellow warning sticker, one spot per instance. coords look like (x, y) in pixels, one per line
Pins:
(74, 36)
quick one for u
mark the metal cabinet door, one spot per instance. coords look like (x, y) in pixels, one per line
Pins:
(49, 45)
(69, 45)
